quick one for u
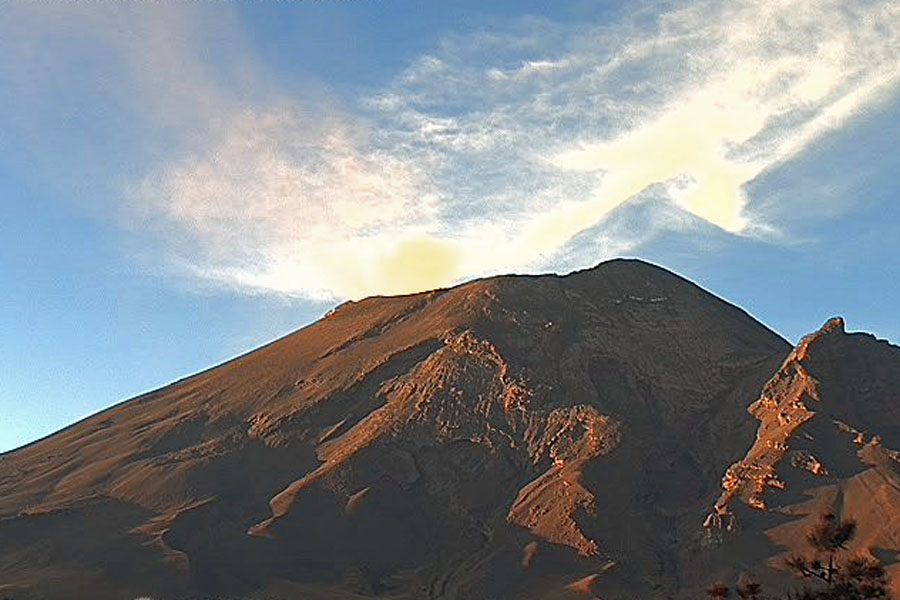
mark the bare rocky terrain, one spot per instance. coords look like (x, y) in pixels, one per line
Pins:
(617, 432)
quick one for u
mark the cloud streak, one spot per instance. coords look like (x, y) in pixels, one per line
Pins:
(499, 148)
(275, 198)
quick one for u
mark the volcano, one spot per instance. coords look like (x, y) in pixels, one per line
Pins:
(617, 432)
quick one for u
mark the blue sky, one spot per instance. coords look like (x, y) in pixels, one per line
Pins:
(181, 182)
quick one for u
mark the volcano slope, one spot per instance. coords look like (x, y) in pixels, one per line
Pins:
(829, 427)
(513, 437)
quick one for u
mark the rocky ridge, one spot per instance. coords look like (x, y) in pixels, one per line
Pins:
(784, 405)
(819, 448)
(430, 404)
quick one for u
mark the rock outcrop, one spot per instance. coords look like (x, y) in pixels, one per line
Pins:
(819, 448)
(786, 403)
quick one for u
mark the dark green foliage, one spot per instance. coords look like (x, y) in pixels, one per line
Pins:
(856, 578)
(831, 534)
(747, 588)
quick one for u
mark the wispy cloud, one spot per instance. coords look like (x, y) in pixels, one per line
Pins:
(279, 201)
(498, 148)
(702, 99)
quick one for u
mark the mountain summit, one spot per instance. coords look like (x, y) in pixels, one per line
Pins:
(514, 437)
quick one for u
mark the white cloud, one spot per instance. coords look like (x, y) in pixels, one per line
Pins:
(274, 201)
(528, 68)
(494, 151)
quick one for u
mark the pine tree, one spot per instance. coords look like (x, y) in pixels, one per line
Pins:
(747, 588)
(857, 578)
(718, 591)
